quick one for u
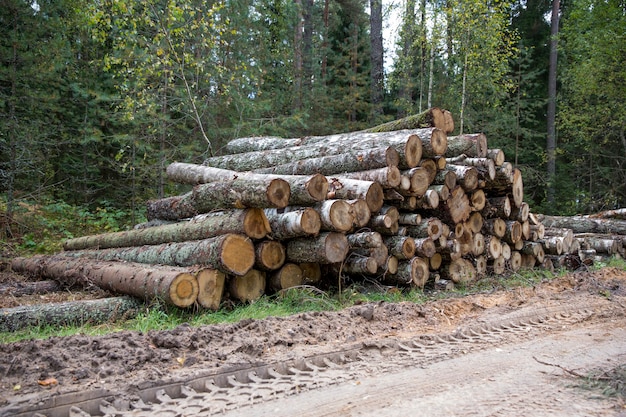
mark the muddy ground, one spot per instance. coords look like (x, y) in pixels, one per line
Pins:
(34, 370)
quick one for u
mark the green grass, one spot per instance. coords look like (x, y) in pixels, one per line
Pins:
(608, 383)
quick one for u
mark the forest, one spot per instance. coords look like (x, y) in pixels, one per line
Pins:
(98, 97)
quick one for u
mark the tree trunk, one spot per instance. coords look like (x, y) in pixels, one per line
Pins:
(357, 265)
(290, 275)
(388, 177)
(349, 189)
(230, 253)
(493, 247)
(249, 287)
(210, 288)
(269, 255)
(425, 247)
(430, 227)
(239, 193)
(327, 248)
(349, 161)
(335, 215)
(471, 145)
(486, 167)
(360, 211)
(433, 117)
(305, 189)
(582, 224)
(411, 219)
(297, 223)
(466, 176)
(402, 247)
(175, 286)
(365, 240)
(251, 222)
(618, 214)
(69, 313)
(262, 143)
(497, 155)
(20, 289)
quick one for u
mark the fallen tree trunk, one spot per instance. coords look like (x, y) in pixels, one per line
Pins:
(350, 161)
(239, 193)
(174, 286)
(305, 189)
(69, 313)
(230, 253)
(251, 222)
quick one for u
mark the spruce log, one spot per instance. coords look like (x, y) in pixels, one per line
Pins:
(582, 224)
(347, 161)
(69, 313)
(248, 287)
(297, 223)
(387, 177)
(239, 193)
(172, 285)
(459, 271)
(305, 189)
(433, 117)
(229, 253)
(504, 184)
(211, 283)
(350, 189)
(269, 255)
(290, 275)
(251, 222)
(402, 247)
(472, 145)
(365, 240)
(326, 248)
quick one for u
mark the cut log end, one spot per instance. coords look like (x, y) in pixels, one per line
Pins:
(211, 288)
(249, 287)
(278, 192)
(317, 186)
(289, 276)
(413, 151)
(237, 255)
(184, 290)
(255, 224)
(270, 255)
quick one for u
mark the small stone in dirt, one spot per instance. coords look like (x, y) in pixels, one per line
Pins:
(367, 312)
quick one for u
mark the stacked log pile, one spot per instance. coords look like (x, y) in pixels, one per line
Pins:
(410, 207)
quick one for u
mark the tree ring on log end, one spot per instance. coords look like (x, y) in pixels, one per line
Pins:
(184, 290)
(413, 151)
(237, 254)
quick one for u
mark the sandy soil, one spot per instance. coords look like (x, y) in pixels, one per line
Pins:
(121, 363)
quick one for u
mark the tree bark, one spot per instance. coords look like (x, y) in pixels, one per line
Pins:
(433, 117)
(466, 176)
(357, 265)
(327, 248)
(297, 223)
(256, 143)
(69, 313)
(174, 286)
(230, 253)
(249, 287)
(360, 211)
(388, 177)
(402, 247)
(455, 209)
(305, 189)
(349, 189)
(582, 224)
(497, 155)
(497, 207)
(239, 193)
(365, 240)
(430, 227)
(411, 219)
(471, 145)
(419, 180)
(425, 247)
(251, 222)
(20, 289)
(376, 57)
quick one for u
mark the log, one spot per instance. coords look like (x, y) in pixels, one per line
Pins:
(211, 283)
(466, 176)
(20, 289)
(204, 198)
(429, 201)
(269, 255)
(495, 226)
(305, 189)
(357, 265)
(419, 181)
(289, 276)
(455, 209)
(69, 313)
(389, 267)
(360, 211)
(497, 207)
(604, 245)
(350, 189)
(480, 263)
(617, 214)
(520, 213)
(552, 245)
(497, 266)
(497, 156)
(514, 264)
(365, 240)
(493, 247)
(459, 271)
(379, 254)
(251, 222)
(445, 177)
(478, 200)
(172, 285)
(327, 248)
(435, 262)
(402, 247)
(442, 191)
(433, 117)
(248, 287)
(475, 222)
(230, 253)
(513, 231)
(413, 272)
(431, 167)
(582, 224)
(335, 215)
(348, 161)
(412, 219)
(506, 251)
(388, 177)
(263, 143)
(472, 145)
(513, 185)
(430, 227)
(425, 247)
(296, 223)
(311, 273)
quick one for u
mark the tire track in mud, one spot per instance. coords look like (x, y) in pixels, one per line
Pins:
(219, 393)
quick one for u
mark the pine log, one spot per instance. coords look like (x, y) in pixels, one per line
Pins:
(402, 247)
(387, 177)
(466, 176)
(229, 253)
(433, 117)
(296, 223)
(172, 285)
(239, 193)
(581, 224)
(459, 271)
(251, 222)
(360, 211)
(365, 240)
(472, 145)
(311, 273)
(249, 287)
(349, 189)
(269, 255)
(347, 161)
(211, 283)
(289, 276)
(69, 313)
(20, 289)
(326, 248)
(305, 189)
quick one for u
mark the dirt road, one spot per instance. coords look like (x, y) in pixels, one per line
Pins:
(502, 353)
